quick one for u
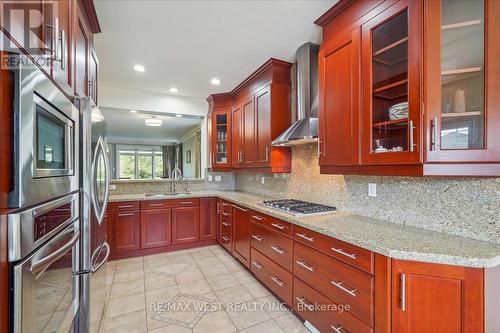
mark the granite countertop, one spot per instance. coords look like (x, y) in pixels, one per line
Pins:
(389, 239)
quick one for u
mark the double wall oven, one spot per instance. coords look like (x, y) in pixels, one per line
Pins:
(43, 212)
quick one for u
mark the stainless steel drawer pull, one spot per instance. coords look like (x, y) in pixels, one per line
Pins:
(278, 281)
(126, 214)
(304, 303)
(258, 218)
(340, 285)
(337, 329)
(225, 214)
(305, 265)
(224, 204)
(402, 291)
(242, 209)
(311, 239)
(257, 238)
(226, 224)
(279, 226)
(186, 203)
(126, 206)
(342, 252)
(225, 239)
(278, 249)
(257, 264)
(155, 205)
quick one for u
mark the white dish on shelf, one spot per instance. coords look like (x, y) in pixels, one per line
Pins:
(398, 111)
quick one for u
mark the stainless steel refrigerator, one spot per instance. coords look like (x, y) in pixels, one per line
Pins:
(94, 195)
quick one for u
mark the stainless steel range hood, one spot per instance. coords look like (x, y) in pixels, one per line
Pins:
(305, 128)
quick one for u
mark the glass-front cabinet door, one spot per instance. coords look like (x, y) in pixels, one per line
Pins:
(391, 85)
(221, 148)
(458, 70)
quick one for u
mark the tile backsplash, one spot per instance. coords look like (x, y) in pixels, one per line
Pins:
(468, 207)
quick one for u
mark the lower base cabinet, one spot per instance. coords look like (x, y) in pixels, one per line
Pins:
(126, 231)
(241, 235)
(436, 298)
(156, 228)
(185, 225)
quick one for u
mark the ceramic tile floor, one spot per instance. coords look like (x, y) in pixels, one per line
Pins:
(197, 290)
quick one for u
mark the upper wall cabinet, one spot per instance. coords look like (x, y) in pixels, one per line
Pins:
(243, 130)
(410, 87)
(58, 35)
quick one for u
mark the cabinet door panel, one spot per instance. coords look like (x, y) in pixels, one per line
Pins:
(61, 67)
(391, 56)
(82, 51)
(436, 298)
(339, 68)
(208, 218)
(221, 139)
(236, 131)
(155, 228)
(241, 226)
(126, 231)
(248, 136)
(185, 225)
(263, 127)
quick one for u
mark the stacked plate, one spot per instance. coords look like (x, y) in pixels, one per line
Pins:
(398, 111)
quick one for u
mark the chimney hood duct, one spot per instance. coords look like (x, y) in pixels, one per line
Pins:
(305, 128)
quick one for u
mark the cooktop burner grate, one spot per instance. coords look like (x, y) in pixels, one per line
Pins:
(298, 207)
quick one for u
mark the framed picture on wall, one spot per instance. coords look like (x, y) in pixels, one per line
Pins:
(188, 156)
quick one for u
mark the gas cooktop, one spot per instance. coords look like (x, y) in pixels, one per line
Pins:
(297, 207)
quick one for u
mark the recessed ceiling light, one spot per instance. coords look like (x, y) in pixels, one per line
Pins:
(153, 122)
(133, 111)
(139, 68)
(173, 90)
(178, 115)
(215, 81)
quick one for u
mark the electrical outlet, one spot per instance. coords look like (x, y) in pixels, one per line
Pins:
(262, 180)
(112, 187)
(372, 190)
(210, 178)
(218, 178)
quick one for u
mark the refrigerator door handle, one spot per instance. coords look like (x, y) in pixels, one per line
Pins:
(105, 246)
(100, 211)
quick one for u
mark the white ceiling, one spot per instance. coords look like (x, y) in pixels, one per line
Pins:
(127, 127)
(186, 43)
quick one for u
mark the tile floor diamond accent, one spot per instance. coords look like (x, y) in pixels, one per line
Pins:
(196, 291)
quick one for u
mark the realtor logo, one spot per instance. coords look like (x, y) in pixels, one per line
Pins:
(32, 25)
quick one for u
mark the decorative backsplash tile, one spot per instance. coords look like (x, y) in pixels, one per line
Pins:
(468, 207)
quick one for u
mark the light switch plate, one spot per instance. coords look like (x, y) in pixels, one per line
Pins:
(372, 190)
(112, 187)
(210, 178)
(262, 180)
(218, 178)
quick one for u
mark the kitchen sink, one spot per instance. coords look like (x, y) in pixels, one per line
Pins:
(164, 194)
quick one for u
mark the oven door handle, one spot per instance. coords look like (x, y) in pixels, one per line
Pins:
(41, 265)
(95, 268)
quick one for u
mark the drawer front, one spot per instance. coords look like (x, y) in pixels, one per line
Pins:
(324, 314)
(124, 206)
(226, 237)
(278, 225)
(225, 208)
(273, 276)
(156, 204)
(272, 244)
(351, 254)
(343, 283)
(188, 202)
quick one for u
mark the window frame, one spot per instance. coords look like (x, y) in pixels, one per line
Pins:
(136, 149)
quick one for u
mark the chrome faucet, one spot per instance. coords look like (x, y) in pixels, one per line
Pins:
(174, 175)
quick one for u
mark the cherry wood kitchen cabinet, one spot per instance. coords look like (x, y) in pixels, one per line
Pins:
(462, 99)
(185, 224)
(436, 298)
(156, 228)
(126, 230)
(340, 90)
(208, 218)
(220, 129)
(241, 235)
(260, 112)
(429, 101)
